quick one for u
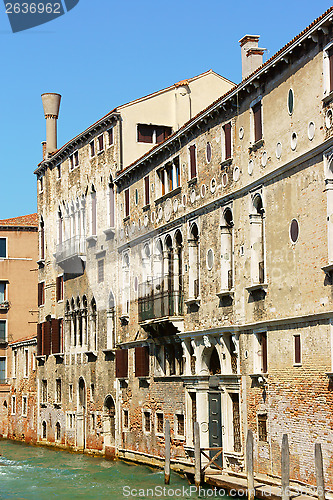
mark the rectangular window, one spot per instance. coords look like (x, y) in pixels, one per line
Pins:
(93, 214)
(180, 422)
(193, 161)
(261, 354)
(3, 333)
(330, 63)
(14, 363)
(297, 349)
(142, 361)
(92, 148)
(71, 162)
(147, 186)
(2, 370)
(160, 423)
(60, 288)
(127, 203)
(262, 428)
(257, 121)
(58, 390)
(13, 405)
(153, 134)
(41, 184)
(146, 421)
(76, 158)
(122, 363)
(100, 141)
(58, 171)
(3, 248)
(227, 140)
(70, 392)
(41, 293)
(44, 391)
(126, 419)
(111, 205)
(110, 136)
(3, 297)
(26, 362)
(24, 406)
(162, 133)
(100, 265)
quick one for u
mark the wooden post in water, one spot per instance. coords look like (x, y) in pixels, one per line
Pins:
(197, 455)
(319, 472)
(249, 465)
(167, 453)
(285, 468)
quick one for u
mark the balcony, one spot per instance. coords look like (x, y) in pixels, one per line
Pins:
(71, 254)
(161, 303)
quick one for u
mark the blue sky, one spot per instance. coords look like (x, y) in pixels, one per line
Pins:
(104, 53)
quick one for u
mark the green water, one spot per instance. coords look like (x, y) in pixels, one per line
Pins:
(28, 472)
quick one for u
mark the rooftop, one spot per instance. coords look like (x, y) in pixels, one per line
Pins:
(30, 220)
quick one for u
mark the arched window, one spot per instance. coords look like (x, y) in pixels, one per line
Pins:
(93, 212)
(111, 203)
(42, 238)
(257, 240)
(227, 250)
(44, 429)
(214, 363)
(93, 325)
(110, 413)
(60, 226)
(58, 431)
(178, 270)
(193, 243)
(82, 393)
(111, 334)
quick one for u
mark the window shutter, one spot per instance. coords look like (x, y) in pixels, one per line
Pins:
(42, 242)
(330, 60)
(110, 134)
(47, 338)
(257, 122)
(264, 352)
(111, 207)
(55, 335)
(122, 363)
(227, 140)
(147, 189)
(193, 165)
(145, 133)
(142, 361)
(40, 293)
(297, 349)
(58, 288)
(39, 340)
(126, 202)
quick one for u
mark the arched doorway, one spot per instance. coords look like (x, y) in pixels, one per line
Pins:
(109, 426)
(81, 413)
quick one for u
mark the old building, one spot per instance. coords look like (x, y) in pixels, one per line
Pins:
(195, 283)
(18, 324)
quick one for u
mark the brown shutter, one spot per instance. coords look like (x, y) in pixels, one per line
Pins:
(55, 335)
(39, 340)
(47, 338)
(142, 361)
(127, 206)
(297, 349)
(147, 185)
(110, 134)
(145, 133)
(58, 288)
(264, 352)
(122, 363)
(193, 165)
(257, 122)
(227, 140)
(42, 241)
(39, 294)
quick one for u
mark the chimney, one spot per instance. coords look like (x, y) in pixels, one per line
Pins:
(251, 54)
(51, 103)
(44, 149)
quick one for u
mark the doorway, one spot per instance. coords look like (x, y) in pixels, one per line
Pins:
(215, 424)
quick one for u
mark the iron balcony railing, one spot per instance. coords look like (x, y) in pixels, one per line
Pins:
(160, 297)
(73, 247)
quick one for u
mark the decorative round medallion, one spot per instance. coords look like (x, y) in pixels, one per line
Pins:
(145, 220)
(175, 205)
(224, 179)
(160, 213)
(241, 133)
(278, 151)
(167, 210)
(264, 158)
(208, 152)
(210, 259)
(236, 174)
(152, 217)
(294, 231)
(203, 190)
(293, 141)
(329, 118)
(184, 200)
(192, 196)
(250, 167)
(311, 130)
(213, 185)
(290, 101)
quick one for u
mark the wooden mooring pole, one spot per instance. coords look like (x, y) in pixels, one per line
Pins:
(319, 472)
(249, 465)
(167, 453)
(197, 455)
(285, 468)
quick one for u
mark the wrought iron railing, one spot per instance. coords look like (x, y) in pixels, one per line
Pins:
(75, 246)
(160, 297)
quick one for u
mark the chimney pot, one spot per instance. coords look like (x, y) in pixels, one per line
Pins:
(51, 104)
(252, 55)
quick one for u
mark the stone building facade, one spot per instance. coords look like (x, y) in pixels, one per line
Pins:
(18, 323)
(199, 288)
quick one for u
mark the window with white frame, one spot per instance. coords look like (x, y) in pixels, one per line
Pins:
(159, 423)
(3, 292)
(125, 419)
(126, 283)
(3, 369)
(152, 134)
(111, 205)
(93, 212)
(24, 406)
(192, 161)
(58, 394)
(3, 248)
(226, 141)
(328, 69)
(14, 369)
(227, 249)
(146, 421)
(44, 391)
(257, 238)
(70, 393)
(180, 425)
(13, 405)
(92, 148)
(260, 352)
(100, 143)
(256, 121)
(3, 330)
(169, 176)
(110, 136)
(26, 362)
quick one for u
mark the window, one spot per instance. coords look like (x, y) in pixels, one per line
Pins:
(100, 269)
(160, 423)
(58, 390)
(76, 158)
(146, 421)
(193, 161)
(111, 205)
(328, 70)
(44, 391)
(142, 361)
(227, 141)
(3, 248)
(14, 363)
(70, 392)
(147, 186)
(208, 152)
(13, 405)
(26, 362)
(262, 428)
(110, 136)
(122, 363)
(93, 213)
(126, 419)
(180, 425)
(92, 392)
(260, 353)
(44, 429)
(194, 285)
(58, 171)
(257, 230)
(41, 293)
(227, 249)
(24, 406)
(2, 370)
(297, 350)
(42, 239)
(60, 288)
(41, 184)
(100, 142)
(71, 162)
(257, 121)
(127, 205)
(169, 176)
(3, 332)
(92, 148)
(2, 292)
(58, 431)
(153, 134)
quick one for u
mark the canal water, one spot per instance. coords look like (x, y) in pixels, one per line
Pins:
(28, 472)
